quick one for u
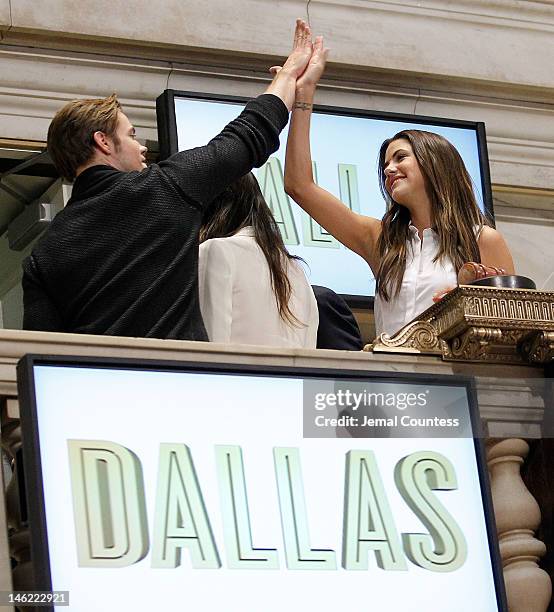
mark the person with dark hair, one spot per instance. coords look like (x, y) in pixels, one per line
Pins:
(252, 291)
(338, 328)
(122, 257)
(432, 225)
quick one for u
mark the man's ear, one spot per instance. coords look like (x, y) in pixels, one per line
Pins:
(103, 142)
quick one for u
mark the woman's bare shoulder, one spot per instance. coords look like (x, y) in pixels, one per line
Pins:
(494, 250)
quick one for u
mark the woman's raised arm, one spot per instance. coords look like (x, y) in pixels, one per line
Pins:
(358, 232)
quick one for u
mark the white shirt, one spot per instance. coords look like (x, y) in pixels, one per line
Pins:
(237, 301)
(422, 279)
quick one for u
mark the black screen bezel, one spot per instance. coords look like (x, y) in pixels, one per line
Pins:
(168, 142)
(34, 489)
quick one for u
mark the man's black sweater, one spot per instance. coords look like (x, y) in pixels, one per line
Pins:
(122, 257)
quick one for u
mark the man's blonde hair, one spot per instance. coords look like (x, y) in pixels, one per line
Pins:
(71, 133)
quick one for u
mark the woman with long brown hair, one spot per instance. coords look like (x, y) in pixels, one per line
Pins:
(252, 291)
(432, 225)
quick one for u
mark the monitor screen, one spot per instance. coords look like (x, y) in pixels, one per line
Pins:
(345, 146)
(228, 488)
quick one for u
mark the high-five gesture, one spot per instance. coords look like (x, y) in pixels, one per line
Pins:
(301, 49)
(284, 81)
(357, 232)
(316, 66)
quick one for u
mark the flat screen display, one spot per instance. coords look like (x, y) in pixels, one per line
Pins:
(345, 145)
(151, 486)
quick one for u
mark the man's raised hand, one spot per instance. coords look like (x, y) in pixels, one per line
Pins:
(315, 67)
(301, 50)
(284, 82)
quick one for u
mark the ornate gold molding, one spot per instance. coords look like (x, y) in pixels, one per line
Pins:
(481, 324)
(416, 337)
(539, 348)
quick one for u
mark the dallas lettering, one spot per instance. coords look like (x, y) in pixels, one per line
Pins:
(270, 177)
(111, 526)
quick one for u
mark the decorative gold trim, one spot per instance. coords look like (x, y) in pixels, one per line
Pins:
(481, 324)
(539, 348)
(491, 324)
(515, 189)
(416, 337)
(33, 146)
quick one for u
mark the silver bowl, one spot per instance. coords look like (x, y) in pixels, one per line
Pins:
(506, 281)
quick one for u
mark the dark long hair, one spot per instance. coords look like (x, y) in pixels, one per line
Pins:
(454, 210)
(241, 205)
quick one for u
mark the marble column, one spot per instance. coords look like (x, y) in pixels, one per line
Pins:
(528, 587)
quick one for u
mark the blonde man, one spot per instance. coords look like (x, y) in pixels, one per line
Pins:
(122, 257)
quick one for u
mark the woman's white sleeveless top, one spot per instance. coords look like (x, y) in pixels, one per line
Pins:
(422, 279)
